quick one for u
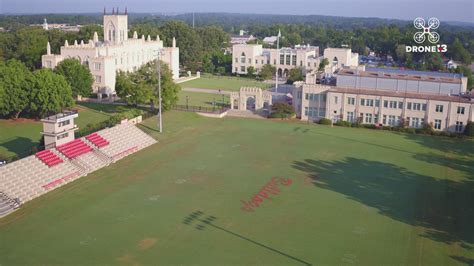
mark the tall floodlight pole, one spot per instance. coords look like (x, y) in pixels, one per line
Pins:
(278, 59)
(158, 67)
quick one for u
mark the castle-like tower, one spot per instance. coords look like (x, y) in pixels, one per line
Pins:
(115, 27)
(115, 53)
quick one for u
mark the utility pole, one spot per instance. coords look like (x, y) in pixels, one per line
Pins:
(278, 59)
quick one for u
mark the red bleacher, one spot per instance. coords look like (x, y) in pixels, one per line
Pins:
(74, 148)
(97, 140)
(49, 158)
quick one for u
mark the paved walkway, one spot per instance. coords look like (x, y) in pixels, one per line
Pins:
(246, 114)
(206, 90)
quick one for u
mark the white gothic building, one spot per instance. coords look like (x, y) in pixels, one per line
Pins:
(116, 52)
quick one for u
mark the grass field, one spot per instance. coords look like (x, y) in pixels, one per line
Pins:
(357, 196)
(223, 83)
(201, 99)
(17, 137)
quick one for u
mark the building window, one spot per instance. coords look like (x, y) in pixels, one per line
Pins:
(288, 59)
(392, 120)
(350, 117)
(62, 136)
(384, 121)
(242, 69)
(64, 123)
(96, 66)
(385, 104)
(242, 58)
(423, 107)
(282, 59)
(439, 108)
(368, 118)
(362, 101)
(98, 79)
(416, 106)
(400, 105)
(306, 96)
(351, 100)
(459, 126)
(392, 104)
(437, 124)
(293, 60)
(376, 118)
(414, 122)
(460, 110)
(48, 64)
(377, 103)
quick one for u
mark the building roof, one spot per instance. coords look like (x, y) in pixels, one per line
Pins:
(411, 95)
(423, 76)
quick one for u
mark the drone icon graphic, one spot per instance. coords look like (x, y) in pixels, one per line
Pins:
(420, 37)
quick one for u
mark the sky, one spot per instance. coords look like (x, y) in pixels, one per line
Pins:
(447, 10)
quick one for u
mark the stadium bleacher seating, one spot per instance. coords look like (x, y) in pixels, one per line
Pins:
(49, 158)
(33, 176)
(74, 148)
(97, 140)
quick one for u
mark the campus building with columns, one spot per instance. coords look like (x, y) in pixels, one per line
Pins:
(117, 52)
(304, 56)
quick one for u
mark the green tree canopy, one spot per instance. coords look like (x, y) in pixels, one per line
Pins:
(296, 74)
(141, 86)
(77, 75)
(50, 93)
(15, 81)
(267, 71)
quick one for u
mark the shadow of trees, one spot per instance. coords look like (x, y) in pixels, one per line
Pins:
(20, 146)
(443, 207)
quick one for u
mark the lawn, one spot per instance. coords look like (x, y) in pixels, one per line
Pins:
(356, 196)
(18, 137)
(202, 99)
(223, 83)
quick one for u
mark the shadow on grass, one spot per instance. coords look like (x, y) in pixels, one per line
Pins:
(202, 223)
(445, 144)
(20, 146)
(444, 208)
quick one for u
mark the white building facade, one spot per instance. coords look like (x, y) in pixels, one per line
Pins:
(384, 99)
(116, 53)
(304, 56)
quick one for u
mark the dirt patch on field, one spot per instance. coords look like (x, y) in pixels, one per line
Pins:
(146, 243)
(128, 259)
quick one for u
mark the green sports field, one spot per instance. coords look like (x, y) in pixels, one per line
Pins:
(357, 197)
(223, 83)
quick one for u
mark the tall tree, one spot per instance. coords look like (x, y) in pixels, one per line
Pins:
(50, 93)
(15, 81)
(77, 75)
(141, 86)
(267, 71)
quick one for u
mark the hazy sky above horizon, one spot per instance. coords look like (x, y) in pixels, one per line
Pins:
(450, 10)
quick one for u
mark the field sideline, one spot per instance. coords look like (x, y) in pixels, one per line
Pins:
(357, 196)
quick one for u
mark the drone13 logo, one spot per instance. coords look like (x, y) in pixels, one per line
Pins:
(426, 32)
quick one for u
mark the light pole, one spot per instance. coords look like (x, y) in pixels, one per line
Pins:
(158, 67)
(278, 58)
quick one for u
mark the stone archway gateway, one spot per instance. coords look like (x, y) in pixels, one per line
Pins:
(248, 98)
